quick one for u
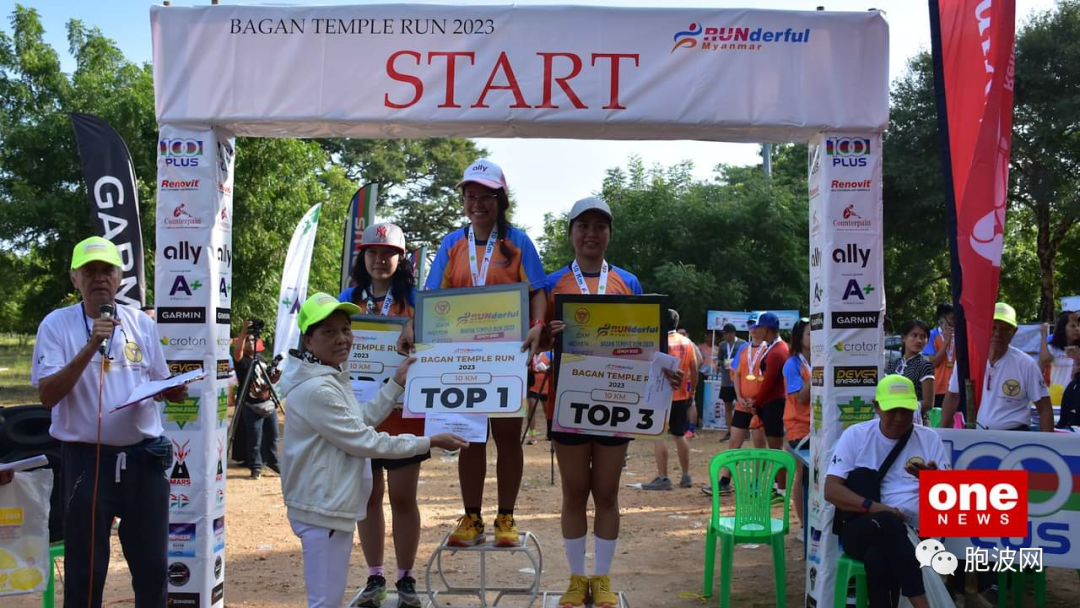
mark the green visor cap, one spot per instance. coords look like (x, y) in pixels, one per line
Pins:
(95, 249)
(896, 391)
(322, 305)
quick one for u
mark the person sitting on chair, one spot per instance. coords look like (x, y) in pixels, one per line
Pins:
(873, 531)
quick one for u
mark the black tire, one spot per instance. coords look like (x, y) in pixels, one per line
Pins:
(25, 427)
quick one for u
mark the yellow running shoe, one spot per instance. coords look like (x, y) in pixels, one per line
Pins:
(576, 593)
(469, 532)
(506, 534)
(600, 590)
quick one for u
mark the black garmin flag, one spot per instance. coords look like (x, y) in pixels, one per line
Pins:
(114, 204)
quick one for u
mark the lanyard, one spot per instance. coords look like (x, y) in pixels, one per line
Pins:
(479, 278)
(761, 352)
(89, 335)
(601, 287)
(805, 363)
(388, 301)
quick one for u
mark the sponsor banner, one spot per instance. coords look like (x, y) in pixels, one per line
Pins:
(847, 306)
(193, 296)
(361, 215)
(294, 281)
(114, 203)
(518, 71)
(1052, 463)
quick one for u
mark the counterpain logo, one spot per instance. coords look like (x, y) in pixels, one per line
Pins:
(698, 37)
(850, 220)
(182, 218)
(973, 503)
(848, 151)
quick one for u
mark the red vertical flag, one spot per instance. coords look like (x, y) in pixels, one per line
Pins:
(974, 64)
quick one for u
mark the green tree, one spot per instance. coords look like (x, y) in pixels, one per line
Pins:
(1046, 135)
(416, 179)
(738, 242)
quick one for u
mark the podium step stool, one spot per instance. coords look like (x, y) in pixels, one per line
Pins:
(527, 544)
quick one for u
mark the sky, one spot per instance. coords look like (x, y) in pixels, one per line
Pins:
(546, 175)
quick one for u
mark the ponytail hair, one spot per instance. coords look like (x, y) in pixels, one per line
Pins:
(503, 224)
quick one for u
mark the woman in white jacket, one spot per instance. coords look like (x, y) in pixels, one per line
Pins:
(328, 438)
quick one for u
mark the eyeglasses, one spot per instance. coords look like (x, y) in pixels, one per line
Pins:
(483, 198)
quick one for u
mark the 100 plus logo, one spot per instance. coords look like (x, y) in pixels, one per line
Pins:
(848, 151)
(973, 503)
(179, 152)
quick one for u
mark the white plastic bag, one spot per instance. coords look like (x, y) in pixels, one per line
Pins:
(24, 533)
(936, 592)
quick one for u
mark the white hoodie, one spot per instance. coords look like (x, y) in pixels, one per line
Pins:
(328, 438)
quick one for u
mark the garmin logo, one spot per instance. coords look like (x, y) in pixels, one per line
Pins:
(181, 314)
(817, 321)
(855, 320)
(223, 316)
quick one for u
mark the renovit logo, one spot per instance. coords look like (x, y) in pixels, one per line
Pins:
(973, 503)
(701, 38)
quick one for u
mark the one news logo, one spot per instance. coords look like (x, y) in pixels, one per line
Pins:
(180, 475)
(848, 151)
(973, 503)
(855, 376)
(180, 152)
(697, 37)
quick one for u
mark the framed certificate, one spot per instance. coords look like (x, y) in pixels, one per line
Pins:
(495, 313)
(374, 357)
(598, 395)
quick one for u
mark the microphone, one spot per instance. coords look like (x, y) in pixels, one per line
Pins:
(106, 311)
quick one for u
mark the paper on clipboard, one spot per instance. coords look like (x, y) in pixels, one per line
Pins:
(473, 427)
(145, 391)
(26, 463)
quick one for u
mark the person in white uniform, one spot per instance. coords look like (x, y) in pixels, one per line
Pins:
(329, 436)
(874, 531)
(1011, 384)
(88, 359)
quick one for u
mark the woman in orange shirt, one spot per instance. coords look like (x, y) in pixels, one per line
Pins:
(385, 286)
(797, 408)
(489, 251)
(589, 464)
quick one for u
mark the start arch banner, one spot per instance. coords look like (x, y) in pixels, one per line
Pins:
(378, 71)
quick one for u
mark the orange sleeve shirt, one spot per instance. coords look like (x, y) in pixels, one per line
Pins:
(451, 267)
(683, 348)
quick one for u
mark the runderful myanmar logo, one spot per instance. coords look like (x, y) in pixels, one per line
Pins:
(735, 38)
(854, 411)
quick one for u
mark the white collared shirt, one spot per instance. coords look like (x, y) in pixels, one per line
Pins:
(1010, 386)
(61, 335)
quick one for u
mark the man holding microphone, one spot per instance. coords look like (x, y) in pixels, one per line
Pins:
(88, 359)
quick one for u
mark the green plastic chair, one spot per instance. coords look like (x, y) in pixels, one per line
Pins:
(935, 417)
(1017, 583)
(48, 599)
(752, 475)
(846, 569)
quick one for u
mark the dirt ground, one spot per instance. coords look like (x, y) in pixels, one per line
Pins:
(660, 552)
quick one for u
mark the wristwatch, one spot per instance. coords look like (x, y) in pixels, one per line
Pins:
(866, 504)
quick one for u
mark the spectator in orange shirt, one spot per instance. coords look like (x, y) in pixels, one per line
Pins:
(797, 408)
(941, 351)
(683, 348)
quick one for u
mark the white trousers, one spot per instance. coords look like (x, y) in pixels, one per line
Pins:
(326, 563)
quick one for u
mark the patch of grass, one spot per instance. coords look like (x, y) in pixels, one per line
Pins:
(15, 354)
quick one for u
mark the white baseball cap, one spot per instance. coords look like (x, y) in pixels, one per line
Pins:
(485, 173)
(590, 204)
(388, 235)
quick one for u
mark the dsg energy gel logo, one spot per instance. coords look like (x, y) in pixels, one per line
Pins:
(608, 330)
(973, 503)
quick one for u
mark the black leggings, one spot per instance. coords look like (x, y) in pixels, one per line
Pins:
(880, 542)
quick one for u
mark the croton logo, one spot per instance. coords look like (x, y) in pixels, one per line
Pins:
(442, 307)
(582, 316)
